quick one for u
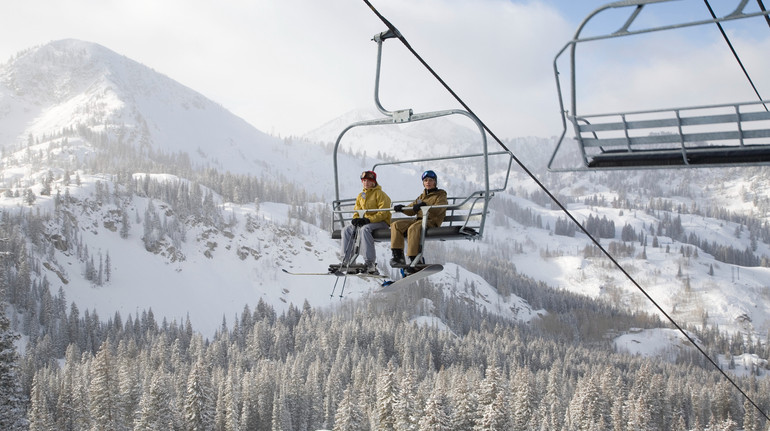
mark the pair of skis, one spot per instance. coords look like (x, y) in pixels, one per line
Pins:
(387, 285)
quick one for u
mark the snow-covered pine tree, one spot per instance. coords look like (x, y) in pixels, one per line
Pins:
(350, 416)
(523, 402)
(435, 417)
(39, 416)
(493, 402)
(199, 400)
(155, 411)
(406, 408)
(464, 397)
(386, 398)
(104, 389)
(12, 414)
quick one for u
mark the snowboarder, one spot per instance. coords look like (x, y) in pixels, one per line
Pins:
(411, 228)
(372, 197)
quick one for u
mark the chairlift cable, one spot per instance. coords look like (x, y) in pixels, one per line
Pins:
(403, 40)
(735, 54)
(762, 8)
(564, 209)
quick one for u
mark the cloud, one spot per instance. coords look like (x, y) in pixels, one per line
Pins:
(288, 66)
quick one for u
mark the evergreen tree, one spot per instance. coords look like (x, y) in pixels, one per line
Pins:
(103, 390)
(493, 402)
(551, 408)
(129, 383)
(435, 417)
(125, 224)
(199, 402)
(464, 414)
(12, 399)
(65, 402)
(386, 398)
(523, 402)
(585, 408)
(155, 410)
(39, 415)
(405, 408)
(349, 415)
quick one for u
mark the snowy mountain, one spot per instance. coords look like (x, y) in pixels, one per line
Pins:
(88, 139)
(114, 242)
(70, 84)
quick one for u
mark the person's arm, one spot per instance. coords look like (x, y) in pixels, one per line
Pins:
(359, 205)
(408, 208)
(383, 202)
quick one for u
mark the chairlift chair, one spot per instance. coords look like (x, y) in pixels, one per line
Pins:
(466, 215)
(697, 136)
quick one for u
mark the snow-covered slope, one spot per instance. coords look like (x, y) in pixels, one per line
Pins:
(214, 272)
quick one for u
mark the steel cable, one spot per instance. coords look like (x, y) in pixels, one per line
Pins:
(403, 40)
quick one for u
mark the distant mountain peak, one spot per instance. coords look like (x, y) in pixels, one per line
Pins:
(60, 70)
(71, 83)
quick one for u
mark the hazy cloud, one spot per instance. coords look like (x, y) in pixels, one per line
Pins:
(288, 66)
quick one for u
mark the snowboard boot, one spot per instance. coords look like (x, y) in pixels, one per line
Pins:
(412, 269)
(398, 261)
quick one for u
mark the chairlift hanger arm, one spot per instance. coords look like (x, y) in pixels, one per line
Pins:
(405, 115)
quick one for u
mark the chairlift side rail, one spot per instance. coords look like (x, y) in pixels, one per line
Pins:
(462, 206)
(738, 118)
(373, 122)
(685, 108)
(412, 117)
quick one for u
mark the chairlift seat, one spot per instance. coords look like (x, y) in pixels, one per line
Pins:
(713, 155)
(447, 231)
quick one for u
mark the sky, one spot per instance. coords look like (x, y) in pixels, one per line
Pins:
(289, 66)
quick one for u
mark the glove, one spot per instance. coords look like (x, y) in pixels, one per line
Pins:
(358, 222)
(417, 206)
(398, 208)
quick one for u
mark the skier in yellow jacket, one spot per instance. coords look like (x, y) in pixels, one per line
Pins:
(412, 228)
(372, 197)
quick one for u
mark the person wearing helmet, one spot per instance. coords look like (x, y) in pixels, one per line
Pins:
(412, 228)
(371, 197)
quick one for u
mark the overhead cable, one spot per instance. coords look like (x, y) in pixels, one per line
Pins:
(403, 40)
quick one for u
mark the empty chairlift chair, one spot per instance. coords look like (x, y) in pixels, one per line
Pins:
(725, 134)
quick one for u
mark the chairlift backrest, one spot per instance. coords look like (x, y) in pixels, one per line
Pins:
(713, 135)
(466, 214)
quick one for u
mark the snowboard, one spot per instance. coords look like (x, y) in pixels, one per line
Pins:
(391, 286)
